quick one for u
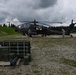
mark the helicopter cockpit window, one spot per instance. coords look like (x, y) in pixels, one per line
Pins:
(38, 28)
(28, 25)
(25, 26)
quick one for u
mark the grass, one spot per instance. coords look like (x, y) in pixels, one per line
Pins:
(65, 61)
(64, 71)
(4, 31)
(46, 42)
(36, 72)
(68, 62)
(2, 73)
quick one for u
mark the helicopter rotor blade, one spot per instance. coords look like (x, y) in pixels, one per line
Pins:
(34, 21)
(44, 24)
(50, 22)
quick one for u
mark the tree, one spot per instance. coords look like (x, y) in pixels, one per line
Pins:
(13, 26)
(4, 25)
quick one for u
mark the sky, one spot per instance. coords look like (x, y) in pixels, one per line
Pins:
(41, 10)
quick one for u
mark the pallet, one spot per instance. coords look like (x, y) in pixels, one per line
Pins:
(7, 63)
(3, 63)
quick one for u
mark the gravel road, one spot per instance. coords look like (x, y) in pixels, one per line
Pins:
(50, 56)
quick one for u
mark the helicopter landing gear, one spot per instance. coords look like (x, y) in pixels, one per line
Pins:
(71, 36)
(43, 35)
(29, 33)
(24, 34)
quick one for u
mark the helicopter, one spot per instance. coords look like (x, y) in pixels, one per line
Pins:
(35, 27)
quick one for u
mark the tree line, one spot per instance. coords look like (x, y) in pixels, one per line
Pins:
(63, 27)
(10, 25)
(58, 28)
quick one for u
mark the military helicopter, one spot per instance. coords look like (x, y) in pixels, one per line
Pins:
(34, 28)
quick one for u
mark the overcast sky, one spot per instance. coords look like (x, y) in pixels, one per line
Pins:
(44, 10)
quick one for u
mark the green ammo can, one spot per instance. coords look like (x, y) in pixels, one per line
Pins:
(11, 56)
(26, 60)
(29, 57)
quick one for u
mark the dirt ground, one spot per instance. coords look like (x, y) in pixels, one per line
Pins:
(50, 56)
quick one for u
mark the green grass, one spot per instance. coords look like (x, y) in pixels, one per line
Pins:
(68, 62)
(4, 31)
(65, 61)
(36, 72)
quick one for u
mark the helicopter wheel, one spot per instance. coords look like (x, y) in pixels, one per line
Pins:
(29, 35)
(71, 36)
(24, 34)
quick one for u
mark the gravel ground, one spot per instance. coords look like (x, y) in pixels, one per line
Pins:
(50, 56)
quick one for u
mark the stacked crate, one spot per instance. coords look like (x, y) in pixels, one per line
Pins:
(11, 49)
